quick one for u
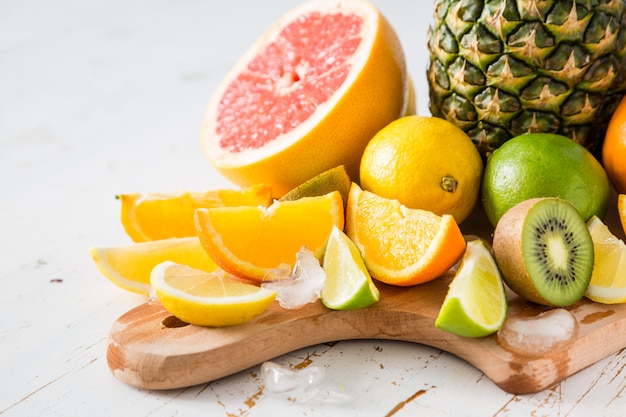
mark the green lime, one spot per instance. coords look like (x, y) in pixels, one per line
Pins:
(544, 165)
(349, 285)
(335, 179)
(476, 303)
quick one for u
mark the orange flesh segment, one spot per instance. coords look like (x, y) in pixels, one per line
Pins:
(418, 229)
(402, 246)
(200, 284)
(247, 241)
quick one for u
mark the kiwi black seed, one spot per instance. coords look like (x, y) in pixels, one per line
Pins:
(544, 251)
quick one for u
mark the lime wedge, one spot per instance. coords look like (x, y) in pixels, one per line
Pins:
(335, 179)
(349, 285)
(476, 303)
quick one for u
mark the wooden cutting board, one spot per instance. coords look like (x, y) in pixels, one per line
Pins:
(149, 348)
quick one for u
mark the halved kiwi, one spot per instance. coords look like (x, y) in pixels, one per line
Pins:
(544, 251)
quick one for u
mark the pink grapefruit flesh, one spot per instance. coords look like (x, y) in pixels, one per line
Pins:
(288, 80)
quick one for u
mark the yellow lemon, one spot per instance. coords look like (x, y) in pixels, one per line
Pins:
(425, 163)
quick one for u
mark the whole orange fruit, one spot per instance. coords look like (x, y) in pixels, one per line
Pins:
(614, 148)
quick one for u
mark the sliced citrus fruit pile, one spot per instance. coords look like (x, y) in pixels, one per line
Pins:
(207, 298)
(608, 279)
(250, 241)
(476, 302)
(348, 283)
(129, 266)
(307, 96)
(153, 216)
(401, 246)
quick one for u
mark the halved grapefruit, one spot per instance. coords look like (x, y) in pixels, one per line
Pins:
(307, 96)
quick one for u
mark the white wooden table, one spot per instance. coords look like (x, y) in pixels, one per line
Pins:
(103, 97)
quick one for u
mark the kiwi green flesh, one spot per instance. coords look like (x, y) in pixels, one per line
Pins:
(558, 251)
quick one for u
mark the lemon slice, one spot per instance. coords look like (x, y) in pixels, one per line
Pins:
(348, 283)
(129, 266)
(207, 298)
(608, 279)
(476, 303)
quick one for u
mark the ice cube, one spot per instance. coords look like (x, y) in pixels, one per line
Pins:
(550, 331)
(283, 271)
(303, 286)
(294, 385)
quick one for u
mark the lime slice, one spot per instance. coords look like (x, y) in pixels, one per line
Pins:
(349, 285)
(476, 303)
(608, 279)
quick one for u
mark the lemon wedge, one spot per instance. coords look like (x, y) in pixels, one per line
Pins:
(608, 279)
(129, 266)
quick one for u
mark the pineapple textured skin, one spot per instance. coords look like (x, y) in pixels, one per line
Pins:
(502, 68)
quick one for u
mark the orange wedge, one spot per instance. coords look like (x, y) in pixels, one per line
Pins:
(250, 241)
(154, 216)
(401, 246)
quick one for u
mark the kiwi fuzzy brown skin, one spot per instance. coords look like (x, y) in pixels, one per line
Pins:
(507, 248)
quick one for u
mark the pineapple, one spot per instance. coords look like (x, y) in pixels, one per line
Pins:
(501, 68)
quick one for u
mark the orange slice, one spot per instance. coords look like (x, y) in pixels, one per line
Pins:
(207, 298)
(154, 216)
(250, 241)
(307, 96)
(129, 266)
(401, 246)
